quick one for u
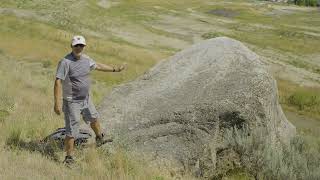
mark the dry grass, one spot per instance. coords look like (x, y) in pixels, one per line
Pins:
(27, 101)
(31, 48)
(30, 117)
(29, 53)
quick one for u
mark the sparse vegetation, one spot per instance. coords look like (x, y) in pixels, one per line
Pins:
(35, 35)
(305, 100)
(300, 159)
(210, 35)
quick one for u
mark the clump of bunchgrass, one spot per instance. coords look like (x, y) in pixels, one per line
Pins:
(14, 137)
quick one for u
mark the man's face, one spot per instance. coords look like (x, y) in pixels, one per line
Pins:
(77, 49)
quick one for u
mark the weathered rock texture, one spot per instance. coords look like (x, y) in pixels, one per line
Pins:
(177, 112)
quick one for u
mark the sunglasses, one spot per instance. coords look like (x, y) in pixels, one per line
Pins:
(79, 45)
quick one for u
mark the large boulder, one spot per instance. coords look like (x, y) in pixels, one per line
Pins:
(176, 113)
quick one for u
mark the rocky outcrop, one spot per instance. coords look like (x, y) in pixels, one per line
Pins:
(176, 113)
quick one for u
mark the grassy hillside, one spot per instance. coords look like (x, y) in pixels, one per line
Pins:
(36, 34)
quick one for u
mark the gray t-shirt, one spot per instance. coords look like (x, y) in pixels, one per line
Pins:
(75, 76)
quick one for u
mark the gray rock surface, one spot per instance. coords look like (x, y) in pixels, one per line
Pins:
(176, 113)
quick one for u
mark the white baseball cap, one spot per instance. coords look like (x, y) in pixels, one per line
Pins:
(78, 40)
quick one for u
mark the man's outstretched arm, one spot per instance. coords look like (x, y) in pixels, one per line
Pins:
(108, 68)
(57, 96)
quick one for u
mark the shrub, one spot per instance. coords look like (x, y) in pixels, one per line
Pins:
(300, 159)
(305, 2)
(210, 35)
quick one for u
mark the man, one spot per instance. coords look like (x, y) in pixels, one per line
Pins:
(72, 78)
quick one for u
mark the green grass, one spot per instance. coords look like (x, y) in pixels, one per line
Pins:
(31, 43)
(303, 100)
(283, 39)
(286, 33)
(301, 64)
(210, 35)
(305, 2)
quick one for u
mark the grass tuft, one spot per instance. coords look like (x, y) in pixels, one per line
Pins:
(14, 138)
(211, 35)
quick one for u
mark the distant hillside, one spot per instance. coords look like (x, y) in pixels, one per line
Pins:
(35, 35)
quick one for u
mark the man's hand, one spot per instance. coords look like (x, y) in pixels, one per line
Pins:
(123, 67)
(57, 108)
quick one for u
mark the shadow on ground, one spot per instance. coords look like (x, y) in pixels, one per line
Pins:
(50, 145)
(48, 149)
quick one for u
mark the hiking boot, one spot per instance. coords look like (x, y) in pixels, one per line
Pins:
(102, 140)
(68, 160)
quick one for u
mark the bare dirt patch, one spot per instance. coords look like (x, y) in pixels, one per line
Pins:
(24, 14)
(107, 3)
(224, 13)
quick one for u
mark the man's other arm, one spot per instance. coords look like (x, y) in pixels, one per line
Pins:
(108, 68)
(57, 96)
